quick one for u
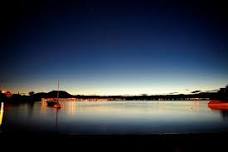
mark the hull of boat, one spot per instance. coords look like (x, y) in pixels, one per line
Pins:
(53, 104)
(218, 105)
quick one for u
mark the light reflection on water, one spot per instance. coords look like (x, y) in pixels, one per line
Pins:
(119, 117)
(1, 112)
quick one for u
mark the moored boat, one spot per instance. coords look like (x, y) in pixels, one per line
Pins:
(218, 104)
(54, 102)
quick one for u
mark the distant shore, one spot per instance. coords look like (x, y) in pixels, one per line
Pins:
(222, 94)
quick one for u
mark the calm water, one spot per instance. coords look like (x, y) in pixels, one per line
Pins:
(117, 117)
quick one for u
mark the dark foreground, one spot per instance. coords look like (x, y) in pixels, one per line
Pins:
(170, 142)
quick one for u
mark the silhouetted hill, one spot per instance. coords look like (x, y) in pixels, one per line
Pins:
(38, 96)
(62, 94)
(51, 94)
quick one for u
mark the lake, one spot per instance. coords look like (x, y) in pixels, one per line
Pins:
(114, 118)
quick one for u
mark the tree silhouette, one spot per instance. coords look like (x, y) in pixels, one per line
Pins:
(31, 93)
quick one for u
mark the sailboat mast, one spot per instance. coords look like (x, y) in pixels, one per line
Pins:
(58, 91)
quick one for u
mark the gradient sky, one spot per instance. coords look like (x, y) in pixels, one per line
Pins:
(114, 47)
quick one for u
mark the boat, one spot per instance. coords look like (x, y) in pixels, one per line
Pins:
(54, 104)
(55, 101)
(218, 105)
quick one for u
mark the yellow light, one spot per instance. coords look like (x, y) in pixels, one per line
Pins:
(1, 113)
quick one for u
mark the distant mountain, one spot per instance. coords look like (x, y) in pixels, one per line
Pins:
(62, 94)
(51, 94)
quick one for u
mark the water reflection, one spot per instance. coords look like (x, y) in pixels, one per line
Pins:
(195, 106)
(43, 106)
(1, 113)
(224, 115)
(70, 108)
(118, 117)
(56, 119)
(67, 107)
(30, 107)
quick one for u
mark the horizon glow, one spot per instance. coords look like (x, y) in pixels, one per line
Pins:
(115, 48)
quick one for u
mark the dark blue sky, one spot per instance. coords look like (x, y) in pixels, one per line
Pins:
(114, 47)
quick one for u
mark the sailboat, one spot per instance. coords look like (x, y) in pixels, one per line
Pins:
(54, 102)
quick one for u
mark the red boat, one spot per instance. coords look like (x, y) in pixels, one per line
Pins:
(218, 105)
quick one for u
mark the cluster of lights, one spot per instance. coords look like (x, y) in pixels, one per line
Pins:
(7, 93)
(3, 91)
